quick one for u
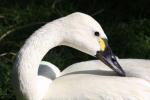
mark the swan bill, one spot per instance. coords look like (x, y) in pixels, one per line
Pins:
(108, 58)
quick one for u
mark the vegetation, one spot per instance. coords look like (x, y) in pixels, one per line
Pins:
(127, 24)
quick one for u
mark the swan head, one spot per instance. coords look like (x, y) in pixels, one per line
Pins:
(85, 34)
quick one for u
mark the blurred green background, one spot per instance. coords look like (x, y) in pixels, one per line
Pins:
(126, 22)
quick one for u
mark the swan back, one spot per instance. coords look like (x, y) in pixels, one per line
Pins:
(133, 67)
(92, 80)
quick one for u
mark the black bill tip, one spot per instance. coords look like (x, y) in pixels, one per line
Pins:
(108, 58)
(116, 66)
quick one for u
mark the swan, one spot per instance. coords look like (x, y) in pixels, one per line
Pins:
(77, 30)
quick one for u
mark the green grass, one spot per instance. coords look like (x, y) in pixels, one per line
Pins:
(127, 27)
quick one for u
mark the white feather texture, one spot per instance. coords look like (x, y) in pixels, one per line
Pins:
(92, 80)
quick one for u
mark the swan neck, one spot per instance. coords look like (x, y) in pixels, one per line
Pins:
(29, 58)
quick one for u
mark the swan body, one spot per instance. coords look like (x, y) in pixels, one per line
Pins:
(92, 80)
(91, 87)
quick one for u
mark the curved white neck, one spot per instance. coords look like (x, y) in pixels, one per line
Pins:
(30, 56)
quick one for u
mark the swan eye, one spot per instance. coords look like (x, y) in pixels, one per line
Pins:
(96, 33)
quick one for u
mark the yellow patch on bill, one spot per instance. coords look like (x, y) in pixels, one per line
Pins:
(102, 44)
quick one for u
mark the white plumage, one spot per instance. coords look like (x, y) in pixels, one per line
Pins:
(36, 80)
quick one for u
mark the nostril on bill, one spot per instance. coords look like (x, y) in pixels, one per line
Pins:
(113, 59)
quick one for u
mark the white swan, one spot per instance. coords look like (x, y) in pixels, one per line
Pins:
(77, 30)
